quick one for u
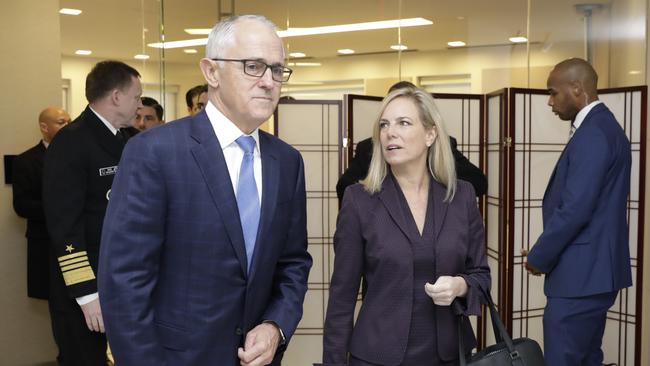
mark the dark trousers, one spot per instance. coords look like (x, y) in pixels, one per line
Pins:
(574, 328)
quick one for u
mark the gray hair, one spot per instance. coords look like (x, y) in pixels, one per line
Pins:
(221, 36)
(440, 159)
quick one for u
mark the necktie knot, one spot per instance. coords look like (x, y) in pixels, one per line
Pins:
(247, 143)
(572, 130)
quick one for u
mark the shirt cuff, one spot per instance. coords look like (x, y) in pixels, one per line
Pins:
(83, 300)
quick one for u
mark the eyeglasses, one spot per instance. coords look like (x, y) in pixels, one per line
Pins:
(257, 68)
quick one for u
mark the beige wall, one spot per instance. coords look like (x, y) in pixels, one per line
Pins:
(31, 79)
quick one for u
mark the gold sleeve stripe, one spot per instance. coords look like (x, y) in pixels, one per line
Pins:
(74, 265)
(73, 260)
(78, 275)
(70, 256)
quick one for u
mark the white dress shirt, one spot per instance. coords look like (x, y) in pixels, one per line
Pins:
(580, 117)
(227, 133)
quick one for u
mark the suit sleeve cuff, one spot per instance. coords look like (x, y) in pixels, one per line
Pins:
(283, 340)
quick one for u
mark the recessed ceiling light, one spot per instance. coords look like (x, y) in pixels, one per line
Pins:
(460, 17)
(141, 57)
(456, 44)
(304, 64)
(68, 11)
(190, 50)
(518, 39)
(399, 47)
(345, 51)
(83, 52)
(297, 54)
(634, 72)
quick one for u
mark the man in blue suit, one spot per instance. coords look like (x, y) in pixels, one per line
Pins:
(204, 251)
(583, 250)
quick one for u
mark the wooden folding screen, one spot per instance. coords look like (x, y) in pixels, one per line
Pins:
(524, 141)
(313, 127)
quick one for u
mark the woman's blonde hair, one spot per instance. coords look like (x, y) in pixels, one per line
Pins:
(440, 159)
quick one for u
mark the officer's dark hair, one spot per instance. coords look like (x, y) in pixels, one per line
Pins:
(195, 91)
(107, 76)
(150, 102)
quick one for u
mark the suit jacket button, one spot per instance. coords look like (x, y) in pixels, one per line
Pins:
(239, 332)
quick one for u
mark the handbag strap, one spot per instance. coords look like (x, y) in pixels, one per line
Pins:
(499, 329)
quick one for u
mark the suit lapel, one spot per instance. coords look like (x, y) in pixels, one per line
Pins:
(271, 181)
(389, 196)
(105, 138)
(209, 157)
(439, 206)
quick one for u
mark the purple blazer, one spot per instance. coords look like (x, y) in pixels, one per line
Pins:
(372, 241)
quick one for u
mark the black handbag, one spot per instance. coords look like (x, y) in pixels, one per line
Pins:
(507, 351)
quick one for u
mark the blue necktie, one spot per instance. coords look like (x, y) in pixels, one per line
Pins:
(247, 198)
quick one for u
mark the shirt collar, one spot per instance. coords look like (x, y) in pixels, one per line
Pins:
(580, 117)
(105, 121)
(227, 132)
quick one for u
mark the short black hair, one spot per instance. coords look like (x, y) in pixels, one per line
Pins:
(150, 102)
(402, 84)
(195, 91)
(106, 76)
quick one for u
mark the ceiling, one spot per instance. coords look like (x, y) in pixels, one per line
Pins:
(115, 29)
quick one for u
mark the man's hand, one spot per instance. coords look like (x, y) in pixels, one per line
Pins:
(260, 345)
(93, 314)
(532, 270)
(446, 289)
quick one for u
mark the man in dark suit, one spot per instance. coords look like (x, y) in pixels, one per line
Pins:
(79, 168)
(204, 252)
(358, 168)
(28, 203)
(583, 250)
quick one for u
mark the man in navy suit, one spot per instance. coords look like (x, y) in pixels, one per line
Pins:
(583, 250)
(204, 251)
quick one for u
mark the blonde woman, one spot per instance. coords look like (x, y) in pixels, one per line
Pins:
(413, 231)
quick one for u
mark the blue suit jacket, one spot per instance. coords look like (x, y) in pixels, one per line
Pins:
(173, 284)
(372, 240)
(584, 249)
